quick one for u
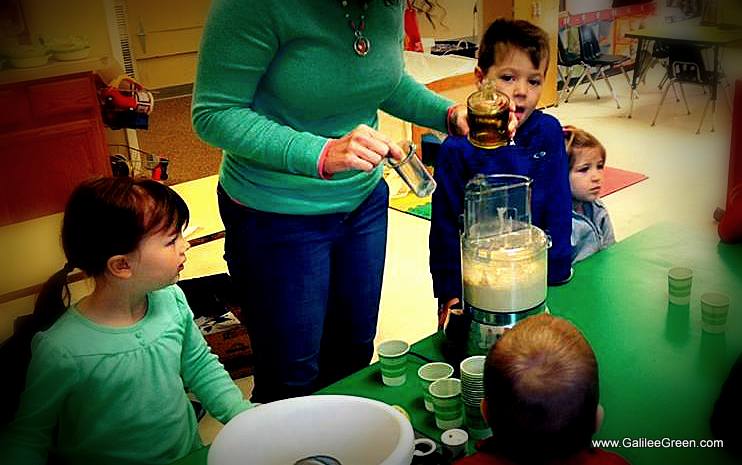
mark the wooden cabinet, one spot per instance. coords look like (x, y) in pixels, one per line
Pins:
(544, 14)
(51, 138)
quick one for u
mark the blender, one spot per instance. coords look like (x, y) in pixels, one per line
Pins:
(503, 258)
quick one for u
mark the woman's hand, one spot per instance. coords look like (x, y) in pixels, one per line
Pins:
(457, 122)
(459, 126)
(361, 149)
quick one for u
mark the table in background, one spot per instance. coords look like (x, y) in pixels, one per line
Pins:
(660, 374)
(684, 32)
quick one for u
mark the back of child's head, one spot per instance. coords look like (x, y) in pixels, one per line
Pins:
(542, 390)
(106, 217)
(576, 139)
(505, 34)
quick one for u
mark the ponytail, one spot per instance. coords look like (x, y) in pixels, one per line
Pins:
(53, 299)
(16, 350)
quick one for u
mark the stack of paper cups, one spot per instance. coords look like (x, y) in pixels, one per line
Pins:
(472, 393)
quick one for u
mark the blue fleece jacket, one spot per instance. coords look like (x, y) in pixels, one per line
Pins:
(538, 153)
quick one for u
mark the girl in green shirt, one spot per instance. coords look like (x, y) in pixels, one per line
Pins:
(108, 375)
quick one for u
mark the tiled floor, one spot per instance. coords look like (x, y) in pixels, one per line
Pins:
(687, 180)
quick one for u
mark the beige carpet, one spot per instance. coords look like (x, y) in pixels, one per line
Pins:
(170, 135)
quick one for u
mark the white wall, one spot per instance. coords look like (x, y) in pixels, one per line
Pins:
(458, 22)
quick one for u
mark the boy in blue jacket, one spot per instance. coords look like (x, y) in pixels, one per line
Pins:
(513, 54)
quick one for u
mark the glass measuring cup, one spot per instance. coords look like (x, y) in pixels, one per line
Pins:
(412, 170)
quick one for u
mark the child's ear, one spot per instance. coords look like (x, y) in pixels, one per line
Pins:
(599, 415)
(479, 74)
(119, 266)
(485, 410)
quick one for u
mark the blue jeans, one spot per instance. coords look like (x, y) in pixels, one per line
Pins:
(310, 287)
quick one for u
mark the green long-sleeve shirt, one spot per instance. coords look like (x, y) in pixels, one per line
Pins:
(276, 79)
(103, 395)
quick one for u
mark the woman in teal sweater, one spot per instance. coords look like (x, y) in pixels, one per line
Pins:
(290, 91)
(107, 380)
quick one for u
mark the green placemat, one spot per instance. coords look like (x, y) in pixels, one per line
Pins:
(412, 205)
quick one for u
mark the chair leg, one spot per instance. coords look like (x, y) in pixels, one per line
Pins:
(579, 81)
(592, 83)
(674, 91)
(703, 116)
(564, 86)
(610, 87)
(652, 64)
(685, 100)
(663, 81)
(625, 74)
(662, 100)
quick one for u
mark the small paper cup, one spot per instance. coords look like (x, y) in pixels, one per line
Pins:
(447, 405)
(714, 312)
(393, 362)
(679, 282)
(429, 373)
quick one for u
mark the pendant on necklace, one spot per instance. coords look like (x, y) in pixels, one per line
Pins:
(361, 45)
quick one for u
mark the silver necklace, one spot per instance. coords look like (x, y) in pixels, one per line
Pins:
(361, 44)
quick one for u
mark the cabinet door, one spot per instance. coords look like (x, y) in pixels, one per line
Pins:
(165, 37)
(41, 167)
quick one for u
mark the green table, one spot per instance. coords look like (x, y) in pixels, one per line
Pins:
(659, 373)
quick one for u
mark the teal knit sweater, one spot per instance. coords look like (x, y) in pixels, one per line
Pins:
(101, 395)
(276, 79)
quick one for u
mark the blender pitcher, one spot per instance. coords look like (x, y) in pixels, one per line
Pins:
(495, 205)
(503, 257)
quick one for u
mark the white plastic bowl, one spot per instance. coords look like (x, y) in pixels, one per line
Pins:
(353, 430)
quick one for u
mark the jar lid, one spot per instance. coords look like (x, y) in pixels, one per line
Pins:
(488, 100)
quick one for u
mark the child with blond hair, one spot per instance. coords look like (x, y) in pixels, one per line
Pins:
(542, 398)
(592, 230)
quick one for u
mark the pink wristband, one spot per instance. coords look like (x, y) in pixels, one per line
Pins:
(321, 161)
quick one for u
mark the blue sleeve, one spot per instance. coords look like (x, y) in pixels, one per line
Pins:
(447, 205)
(558, 214)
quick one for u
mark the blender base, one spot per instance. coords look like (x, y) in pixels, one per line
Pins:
(487, 327)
